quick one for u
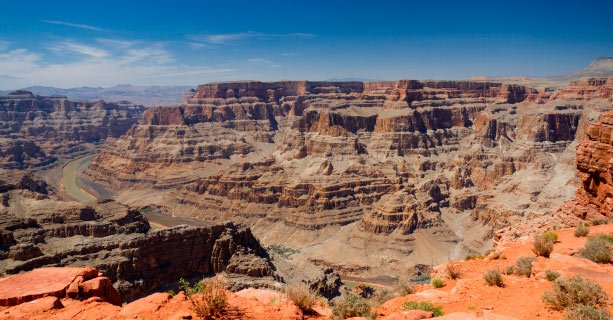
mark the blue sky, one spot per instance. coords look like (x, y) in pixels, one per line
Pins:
(103, 43)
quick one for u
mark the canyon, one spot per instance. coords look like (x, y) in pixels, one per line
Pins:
(369, 178)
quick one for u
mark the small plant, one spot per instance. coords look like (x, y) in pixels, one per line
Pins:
(509, 270)
(208, 298)
(383, 295)
(493, 278)
(570, 292)
(350, 305)
(552, 275)
(597, 222)
(583, 312)
(172, 293)
(404, 287)
(302, 297)
(581, 230)
(597, 249)
(606, 237)
(453, 270)
(437, 282)
(542, 246)
(473, 256)
(523, 266)
(550, 236)
(425, 306)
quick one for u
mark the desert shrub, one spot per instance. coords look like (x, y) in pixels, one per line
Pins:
(606, 237)
(383, 295)
(437, 282)
(570, 292)
(208, 298)
(509, 270)
(597, 222)
(350, 305)
(542, 246)
(302, 297)
(523, 266)
(583, 312)
(404, 287)
(550, 236)
(425, 306)
(452, 269)
(473, 256)
(551, 275)
(581, 230)
(171, 293)
(493, 278)
(597, 249)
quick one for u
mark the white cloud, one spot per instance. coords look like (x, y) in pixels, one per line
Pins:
(136, 63)
(81, 49)
(75, 25)
(228, 38)
(264, 62)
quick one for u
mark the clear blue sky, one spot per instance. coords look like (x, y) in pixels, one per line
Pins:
(103, 43)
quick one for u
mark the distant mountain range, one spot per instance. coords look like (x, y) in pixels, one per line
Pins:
(601, 67)
(151, 96)
(148, 96)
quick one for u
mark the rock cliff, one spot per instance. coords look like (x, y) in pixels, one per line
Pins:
(358, 175)
(55, 126)
(595, 164)
(38, 231)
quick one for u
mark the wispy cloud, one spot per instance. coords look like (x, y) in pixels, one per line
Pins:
(4, 45)
(81, 49)
(264, 62)
(103, 63)
(227, 38)
(76, 25)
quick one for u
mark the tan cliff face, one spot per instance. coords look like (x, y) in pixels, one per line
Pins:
(379, 172)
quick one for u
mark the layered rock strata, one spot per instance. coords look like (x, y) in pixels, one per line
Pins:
(357, 171)
(595, 164)
(56, 126)
(38, 231)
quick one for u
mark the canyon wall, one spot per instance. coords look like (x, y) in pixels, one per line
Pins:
(46, 127)
(359, 175)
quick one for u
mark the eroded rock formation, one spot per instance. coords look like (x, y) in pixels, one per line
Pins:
(54, 126)
(595, 164)
(380, 172)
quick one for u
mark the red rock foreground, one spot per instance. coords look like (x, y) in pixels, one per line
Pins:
(81, 293)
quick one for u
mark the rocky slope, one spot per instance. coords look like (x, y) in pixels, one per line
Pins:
(34, 129)
(369, 178)
(466, 297)
(39, 231)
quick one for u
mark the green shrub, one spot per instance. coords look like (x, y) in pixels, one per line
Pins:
(551, 275)
(523, 266)
(583, 312)
(493, 278)
(473, 256)
(542, 246)
(597, 249)
(350, 305)
(302, 297)
(570, 292)
(208, 298)
(425, 306)
(606, 237)
(437, 282)
(550, 236)
(581, 230)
